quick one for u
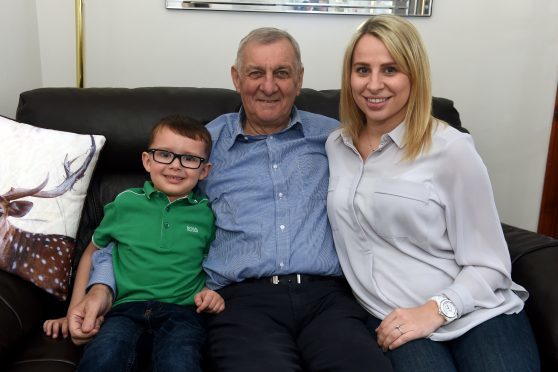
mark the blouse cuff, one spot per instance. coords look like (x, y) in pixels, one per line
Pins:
(461, 298)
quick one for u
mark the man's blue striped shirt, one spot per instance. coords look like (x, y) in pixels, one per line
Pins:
(268, 194)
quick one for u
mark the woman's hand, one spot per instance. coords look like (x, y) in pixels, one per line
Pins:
(53, 327)
(404, 325)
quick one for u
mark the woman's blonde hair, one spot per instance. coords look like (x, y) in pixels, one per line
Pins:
(405, 45)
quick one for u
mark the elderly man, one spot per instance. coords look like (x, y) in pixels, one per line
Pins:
(287, 307)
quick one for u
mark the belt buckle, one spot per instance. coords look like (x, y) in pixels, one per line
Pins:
(275, 279)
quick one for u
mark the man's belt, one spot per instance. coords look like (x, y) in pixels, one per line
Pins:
(291, 279)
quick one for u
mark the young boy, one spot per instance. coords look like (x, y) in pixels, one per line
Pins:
(161, 233)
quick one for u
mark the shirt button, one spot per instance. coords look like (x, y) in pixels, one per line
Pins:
(280, 194)
(282, 227)
(166, 225)
(275, 166)
(281, 264)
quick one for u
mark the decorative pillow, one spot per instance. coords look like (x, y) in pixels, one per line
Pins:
(44, 176)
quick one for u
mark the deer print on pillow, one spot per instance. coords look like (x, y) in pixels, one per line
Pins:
(43, 259)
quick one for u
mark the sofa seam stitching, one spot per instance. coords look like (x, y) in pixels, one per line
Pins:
(13, 311)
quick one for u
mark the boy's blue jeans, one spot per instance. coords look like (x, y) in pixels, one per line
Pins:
(178, 337)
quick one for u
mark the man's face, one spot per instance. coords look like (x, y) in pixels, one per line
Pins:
(268, 82)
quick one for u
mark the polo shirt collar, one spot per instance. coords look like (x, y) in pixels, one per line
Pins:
(237, 131)
(192, 197)
(149, 190)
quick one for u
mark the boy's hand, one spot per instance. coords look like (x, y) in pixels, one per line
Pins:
(52, 327)
(209, 301)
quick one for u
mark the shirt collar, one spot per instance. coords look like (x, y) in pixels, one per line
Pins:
(396, 136)
(150, 190)
(237, 131)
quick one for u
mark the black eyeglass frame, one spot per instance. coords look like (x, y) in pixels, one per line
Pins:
(179, 156)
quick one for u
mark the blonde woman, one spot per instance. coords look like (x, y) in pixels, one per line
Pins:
(414, 219)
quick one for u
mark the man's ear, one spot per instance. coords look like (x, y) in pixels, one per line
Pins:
(300, 80)
(146, 160)
(235, 75)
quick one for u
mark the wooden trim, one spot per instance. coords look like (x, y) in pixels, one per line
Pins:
(548, 218)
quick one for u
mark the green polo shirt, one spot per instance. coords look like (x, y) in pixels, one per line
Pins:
(159, 245)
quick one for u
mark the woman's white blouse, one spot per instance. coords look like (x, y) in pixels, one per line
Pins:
(405, 231)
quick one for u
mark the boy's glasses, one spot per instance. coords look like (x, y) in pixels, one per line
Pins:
(167, 157)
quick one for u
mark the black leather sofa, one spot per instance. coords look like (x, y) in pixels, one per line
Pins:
(124, 117)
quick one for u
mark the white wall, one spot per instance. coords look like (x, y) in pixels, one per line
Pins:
(57, 42)
(498, 60)
(19, 52)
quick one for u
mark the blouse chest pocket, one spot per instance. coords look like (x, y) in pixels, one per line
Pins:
(399, 209)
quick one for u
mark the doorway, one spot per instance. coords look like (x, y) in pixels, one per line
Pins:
(548, 218)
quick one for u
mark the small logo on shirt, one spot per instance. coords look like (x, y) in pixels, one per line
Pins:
(193, 229)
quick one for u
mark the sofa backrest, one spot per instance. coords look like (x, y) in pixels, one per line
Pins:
(126, 116)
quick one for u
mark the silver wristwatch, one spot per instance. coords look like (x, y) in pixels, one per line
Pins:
(446, 308)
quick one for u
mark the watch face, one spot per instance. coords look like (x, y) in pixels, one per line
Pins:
(448, 308)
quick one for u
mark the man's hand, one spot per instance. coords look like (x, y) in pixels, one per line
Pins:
(209, 301)
(85, 318)
(404, 325)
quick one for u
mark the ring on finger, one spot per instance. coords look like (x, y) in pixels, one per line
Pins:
(398, 327)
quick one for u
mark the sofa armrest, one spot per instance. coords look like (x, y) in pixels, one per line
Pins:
(21, 310)
(535, 267)
(40, 353)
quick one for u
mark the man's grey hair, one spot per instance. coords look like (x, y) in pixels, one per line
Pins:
(267, 35)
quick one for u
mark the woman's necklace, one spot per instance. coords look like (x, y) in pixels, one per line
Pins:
(371, 146)
(369, 138)
(365, 144)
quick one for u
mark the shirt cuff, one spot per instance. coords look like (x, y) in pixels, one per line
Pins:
(101, 269)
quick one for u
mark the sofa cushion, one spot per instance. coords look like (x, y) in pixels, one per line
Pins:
(45, 176)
